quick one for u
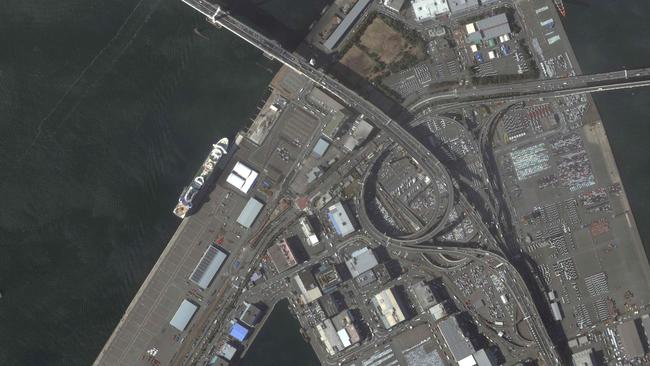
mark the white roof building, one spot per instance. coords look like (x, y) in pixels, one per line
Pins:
(427, 9)
(249, 212)
(183, 315)
(242, 177)
(340, 219)
(395, 5)
(308, 231)
(388, 308)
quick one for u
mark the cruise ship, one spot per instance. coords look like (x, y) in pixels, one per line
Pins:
(202, 176)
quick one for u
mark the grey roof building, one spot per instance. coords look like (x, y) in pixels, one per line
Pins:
(346, 24)
(460, 5)
(250, 314)
(227, 351)
(630, 339)
(361, 260)
(583, 358)
(183, 315)
(207, 268)
(320, 148)
(494, 26)
(249, 212)
(459, 345)
(423, 295)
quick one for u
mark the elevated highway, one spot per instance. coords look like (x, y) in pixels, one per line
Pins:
(392, 129)
(526, 90)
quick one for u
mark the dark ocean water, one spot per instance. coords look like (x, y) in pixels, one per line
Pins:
(106, 109)
(280, 342)
(108, 106)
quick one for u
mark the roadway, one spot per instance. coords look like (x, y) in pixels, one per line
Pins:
(419, 152)
(526, 90)
(396, 132)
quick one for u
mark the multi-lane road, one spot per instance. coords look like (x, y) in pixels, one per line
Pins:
(513, 91)
(418, 151)
(544, 88)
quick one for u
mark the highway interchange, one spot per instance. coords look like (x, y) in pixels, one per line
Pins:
(420, 243)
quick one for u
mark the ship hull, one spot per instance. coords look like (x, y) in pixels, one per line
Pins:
(203, 177)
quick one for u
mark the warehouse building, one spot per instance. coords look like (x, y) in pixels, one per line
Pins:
(239, 331)
(456, 6)
(249, 212)
(427, 9)
(320, 148)
(242, 177)
(345, 25)
(630, 339)
(183, 315)
(489, 28)
(208, 267)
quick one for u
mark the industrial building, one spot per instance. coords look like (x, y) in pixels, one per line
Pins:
(282, 256)
(345, 25)
(388, 308)
(309, 290)
(489, 28)
(249, 212)
(183, 315)
(630, 339)
(208, 267)
(427, 9)
(456, 6)
(242, 177)
(458, 344)
(340, 220)
(361, 261)
(308, 231)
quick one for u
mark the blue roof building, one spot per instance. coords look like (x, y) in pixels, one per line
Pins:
(340, 219)
(239, 331)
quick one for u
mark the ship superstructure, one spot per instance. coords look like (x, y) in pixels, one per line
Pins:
(202, 176)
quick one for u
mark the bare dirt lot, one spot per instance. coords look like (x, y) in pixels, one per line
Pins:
(379, 50)
(383, 40)
(359, 62)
